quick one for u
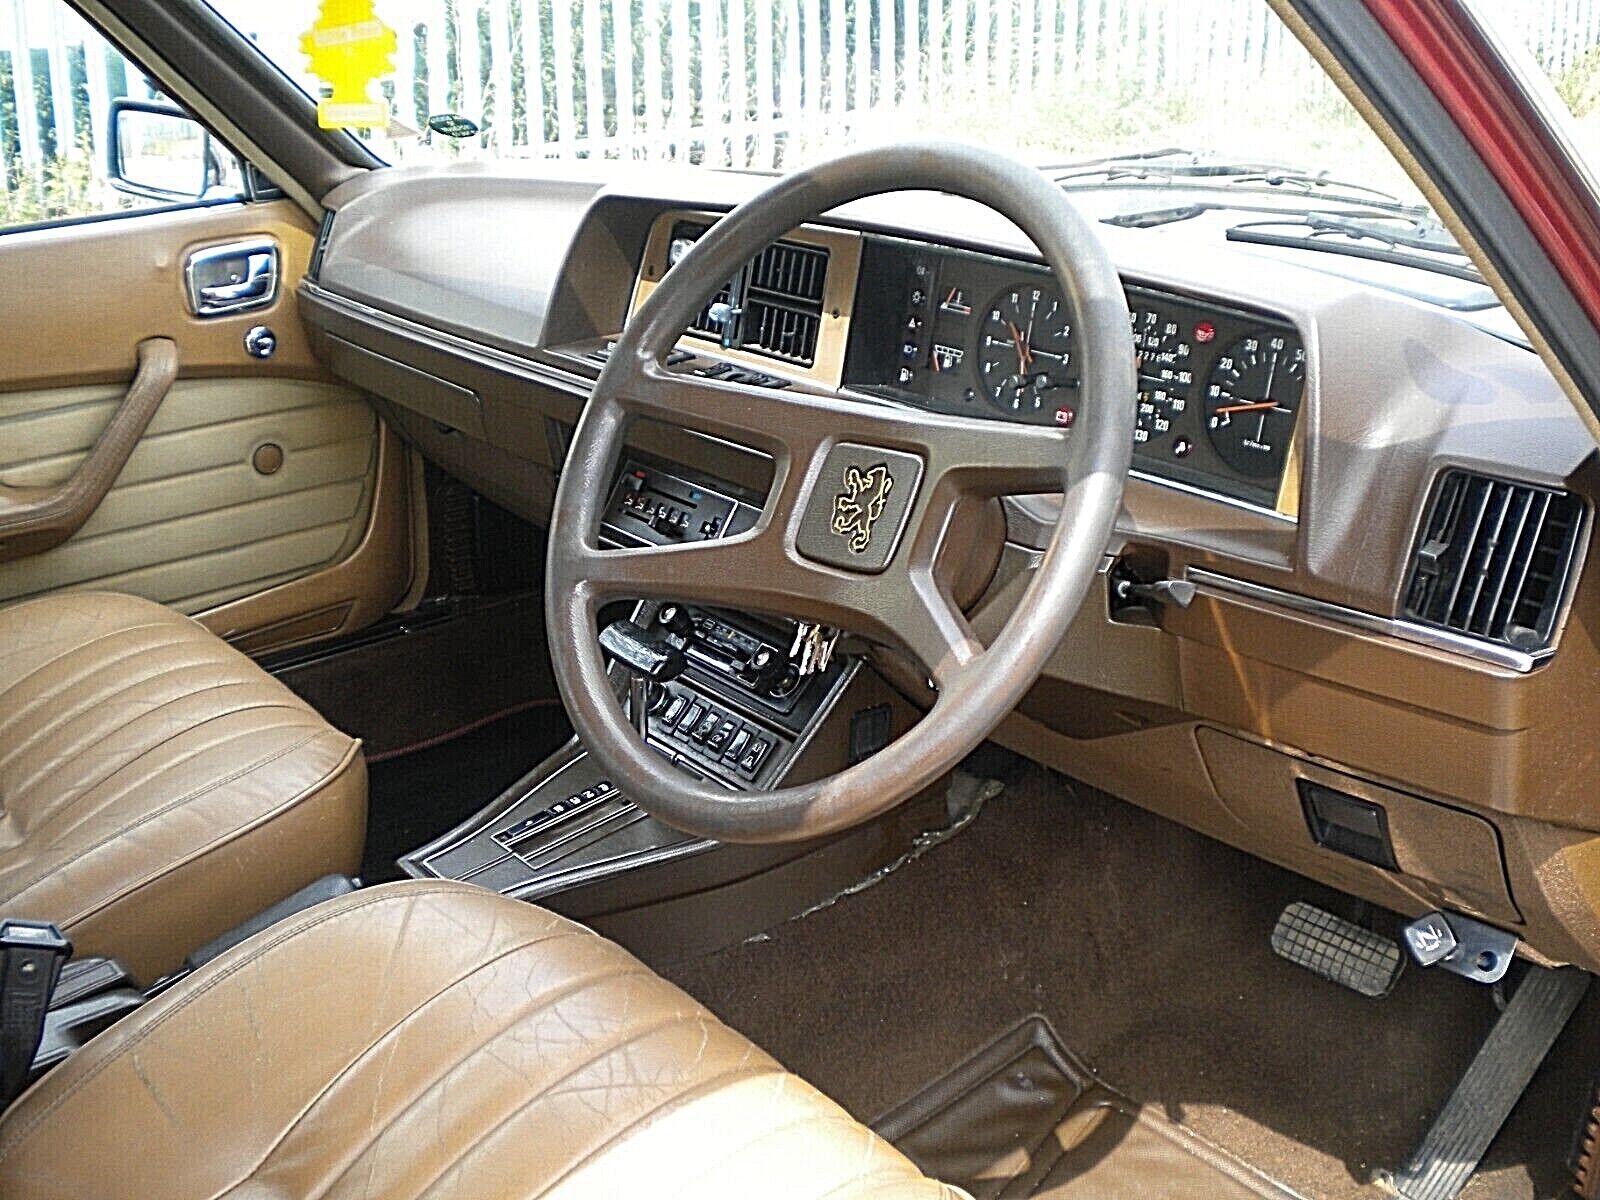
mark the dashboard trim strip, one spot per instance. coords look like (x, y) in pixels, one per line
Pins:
(1505, 657)
(575, 383)
(1260, 510)
(571, 381)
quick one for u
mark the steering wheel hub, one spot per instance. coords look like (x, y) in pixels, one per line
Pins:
(859, 508)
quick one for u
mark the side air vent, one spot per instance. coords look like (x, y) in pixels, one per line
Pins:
(773, 307)
(1493, 559)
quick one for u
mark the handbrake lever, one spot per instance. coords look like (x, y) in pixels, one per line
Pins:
(1179, 592)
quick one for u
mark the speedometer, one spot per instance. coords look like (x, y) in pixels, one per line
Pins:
(1252, 398)
(1165, 375)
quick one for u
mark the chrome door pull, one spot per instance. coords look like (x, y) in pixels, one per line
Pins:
(232, 278)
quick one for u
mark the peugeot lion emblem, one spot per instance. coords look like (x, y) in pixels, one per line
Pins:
(858, 507)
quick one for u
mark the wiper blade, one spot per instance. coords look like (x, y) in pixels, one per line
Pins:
(1422, 233)
(1152, 217)
(1425, 246)
(1148, 168)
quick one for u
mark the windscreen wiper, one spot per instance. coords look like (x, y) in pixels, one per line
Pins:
(1425, 246)
(1157, 168)
(1354, 210)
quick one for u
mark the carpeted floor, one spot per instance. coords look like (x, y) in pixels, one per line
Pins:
(1146, 946)
(417, 796)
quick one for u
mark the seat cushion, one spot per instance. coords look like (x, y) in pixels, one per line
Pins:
(432, 1038)
(156, 786)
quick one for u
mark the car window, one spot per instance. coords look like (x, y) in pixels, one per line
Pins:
(1556, 57)
(67, 99)
(769, 84)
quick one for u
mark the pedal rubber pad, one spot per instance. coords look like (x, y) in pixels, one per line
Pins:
(1338, 950)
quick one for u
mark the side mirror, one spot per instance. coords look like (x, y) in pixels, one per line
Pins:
(159, 152)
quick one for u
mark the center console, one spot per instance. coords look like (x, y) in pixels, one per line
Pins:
(741, 715)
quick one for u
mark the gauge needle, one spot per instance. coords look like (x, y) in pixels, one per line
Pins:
(1024, 359)
(1256, 406)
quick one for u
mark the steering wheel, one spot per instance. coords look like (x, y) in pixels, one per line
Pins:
(894, 476)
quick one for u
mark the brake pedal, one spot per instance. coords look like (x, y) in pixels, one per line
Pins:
(1338, 950)
(1490, 1087)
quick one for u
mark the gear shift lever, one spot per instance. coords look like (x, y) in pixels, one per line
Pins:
(651, 656)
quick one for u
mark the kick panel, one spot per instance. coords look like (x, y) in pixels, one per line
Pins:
(237, 486)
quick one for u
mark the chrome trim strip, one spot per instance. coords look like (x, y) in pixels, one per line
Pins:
(1260, 510)
(1423, 635)
(439, 339)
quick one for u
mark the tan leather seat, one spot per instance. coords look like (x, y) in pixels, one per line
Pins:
(156, 786)
(434, 1039)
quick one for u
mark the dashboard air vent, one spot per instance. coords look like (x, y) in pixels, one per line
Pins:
(775, 301)
(1493, 559)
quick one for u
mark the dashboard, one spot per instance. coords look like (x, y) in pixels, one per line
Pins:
(956, 331)
(1384, 507)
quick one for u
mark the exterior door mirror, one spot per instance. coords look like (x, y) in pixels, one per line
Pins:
(159, 152)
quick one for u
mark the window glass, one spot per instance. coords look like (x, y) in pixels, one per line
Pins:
(63, 91)
(1555, 52)
(1149, 113)
(767, 84)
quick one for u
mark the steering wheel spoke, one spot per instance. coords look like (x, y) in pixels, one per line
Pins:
(935, 632)
(991, 458)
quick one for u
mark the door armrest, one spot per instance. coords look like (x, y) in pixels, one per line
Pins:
(33, 519)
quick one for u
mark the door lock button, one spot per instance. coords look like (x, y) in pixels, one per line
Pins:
(260, 342)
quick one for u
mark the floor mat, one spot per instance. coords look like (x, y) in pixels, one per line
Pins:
(458, 662)
(415, 797)
(1022, 1119)
(1146, 945)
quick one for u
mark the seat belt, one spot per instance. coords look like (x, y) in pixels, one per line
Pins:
(31, 954)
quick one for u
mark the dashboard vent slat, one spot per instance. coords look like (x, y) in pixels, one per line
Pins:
(1493, 559)
(777, 299)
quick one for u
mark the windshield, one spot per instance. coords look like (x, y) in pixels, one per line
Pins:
(771, 84)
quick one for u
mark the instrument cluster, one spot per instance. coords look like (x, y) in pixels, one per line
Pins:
(1220, 387)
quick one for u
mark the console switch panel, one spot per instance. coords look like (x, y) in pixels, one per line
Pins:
(653, 506)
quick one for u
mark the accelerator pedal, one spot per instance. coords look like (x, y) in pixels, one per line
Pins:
(1493, 1082)
(1336, 949)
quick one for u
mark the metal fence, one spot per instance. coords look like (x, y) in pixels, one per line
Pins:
(733, 82)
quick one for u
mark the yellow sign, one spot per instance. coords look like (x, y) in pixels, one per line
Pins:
(349, 49)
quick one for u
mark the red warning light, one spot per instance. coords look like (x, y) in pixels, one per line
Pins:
(1065, 416)
(1205, 332)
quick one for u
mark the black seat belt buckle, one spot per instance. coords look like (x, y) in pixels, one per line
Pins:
(31, 955)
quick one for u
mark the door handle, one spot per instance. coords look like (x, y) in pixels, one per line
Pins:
(232, 278)
(33, 519)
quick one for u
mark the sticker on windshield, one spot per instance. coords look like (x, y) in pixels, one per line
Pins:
(350, 49)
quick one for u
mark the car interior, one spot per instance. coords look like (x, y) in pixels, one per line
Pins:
(586, 678)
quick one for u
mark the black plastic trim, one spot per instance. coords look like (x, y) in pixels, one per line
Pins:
(198, 46)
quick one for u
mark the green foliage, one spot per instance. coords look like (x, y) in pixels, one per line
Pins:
(1579, 84)
(62, 188)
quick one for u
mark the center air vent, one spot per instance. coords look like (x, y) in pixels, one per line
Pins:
(773, 306)
(1493, 559)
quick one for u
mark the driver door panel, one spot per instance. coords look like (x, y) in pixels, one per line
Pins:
(263, 496)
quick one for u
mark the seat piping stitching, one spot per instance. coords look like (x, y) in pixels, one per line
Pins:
(222, 974)
(165, 809)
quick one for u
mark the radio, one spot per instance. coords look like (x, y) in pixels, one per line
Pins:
(741, 707)
(738, 651)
